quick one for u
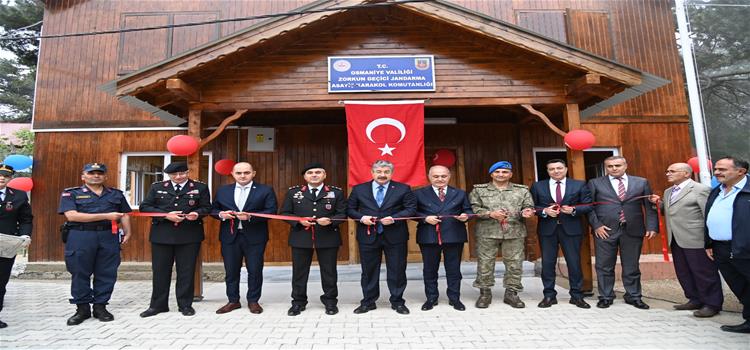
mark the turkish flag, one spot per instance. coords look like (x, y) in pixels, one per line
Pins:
(386, 130)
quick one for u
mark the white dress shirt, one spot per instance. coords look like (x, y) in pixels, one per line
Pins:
(553, 188)
(616, 183)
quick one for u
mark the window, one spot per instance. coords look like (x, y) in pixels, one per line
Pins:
(141, 169)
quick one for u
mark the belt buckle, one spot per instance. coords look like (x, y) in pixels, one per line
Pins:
(622, 223)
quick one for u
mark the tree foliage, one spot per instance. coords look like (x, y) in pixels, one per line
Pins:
(19, 14)
(722, 53)
(16, 92)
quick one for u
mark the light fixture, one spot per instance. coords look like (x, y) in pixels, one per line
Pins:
(439, 121)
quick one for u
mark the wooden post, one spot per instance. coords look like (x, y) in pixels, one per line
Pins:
(194, 165)
(577, 170)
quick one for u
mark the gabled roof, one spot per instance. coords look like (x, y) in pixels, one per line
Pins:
(635, 81)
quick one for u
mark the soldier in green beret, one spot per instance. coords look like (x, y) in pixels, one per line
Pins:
(501, 207)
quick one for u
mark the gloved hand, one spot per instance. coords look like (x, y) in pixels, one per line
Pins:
(26, 241)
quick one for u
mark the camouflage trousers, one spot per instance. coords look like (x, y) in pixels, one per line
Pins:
(513, 255)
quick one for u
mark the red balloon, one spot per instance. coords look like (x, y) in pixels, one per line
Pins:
(224, 166)
(182, 145)
(444, 157)
(693, 162)
(22, 184)
(579, 139)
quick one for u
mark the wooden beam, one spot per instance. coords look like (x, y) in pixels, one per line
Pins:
(544, 119)
(223, 126)
(584, 84)
(194, 165)
(183, 90)
(577, 170)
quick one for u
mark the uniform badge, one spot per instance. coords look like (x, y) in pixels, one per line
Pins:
(191, 202)
(328, 206)
(166, 184)
(9, 206)
(66, 194)
(330, 195)
(192, 185)
(298, 195)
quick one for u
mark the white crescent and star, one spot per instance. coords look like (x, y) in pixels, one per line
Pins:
(385, 121)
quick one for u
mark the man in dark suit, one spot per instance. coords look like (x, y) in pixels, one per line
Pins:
(684, 208)
(618, 222)
(727, 231)
(442, 232)
(243, 236)
(175, 238)
(319, 234)
(560, 226)
(375, 204)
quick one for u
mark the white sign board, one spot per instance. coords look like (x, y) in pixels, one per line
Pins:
(260, 139)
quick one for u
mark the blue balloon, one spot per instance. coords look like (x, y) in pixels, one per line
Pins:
(18, 162)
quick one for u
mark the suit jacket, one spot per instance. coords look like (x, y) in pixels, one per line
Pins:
(608, 213)
(261, 199)
(740, 221)
(15, 213)
(685, 215)
(399, 202)
(162, 198)
(576, 192)
(330, 202)
(451, 230)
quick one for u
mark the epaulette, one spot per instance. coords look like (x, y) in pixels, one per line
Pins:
(115, 189)
(70, 188)
(295, 186)
(520, 186)
(480, 185)
(336, 188)
(198, 181)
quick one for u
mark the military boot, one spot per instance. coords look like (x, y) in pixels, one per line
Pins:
(511, 298)
(101, 313)
(82, 313)
(485, 298)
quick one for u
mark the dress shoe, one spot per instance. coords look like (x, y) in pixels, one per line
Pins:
(511, 298)
(429, 304)
(547, 302)
(740, 328)
(580, 303)
(187, 311)
(604, 303)
(687, 306)
(295, 310)
(332, 309)
(485, 298)
(638, 303)
(83, 312)
(457, 304)
(705, 311)
(402, 309)
(364, 308)
(101, 313)
(152, 311)
(255, 308)
(3, 324)
(228, 307)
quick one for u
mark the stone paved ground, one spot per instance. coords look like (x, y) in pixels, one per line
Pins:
(36, 312)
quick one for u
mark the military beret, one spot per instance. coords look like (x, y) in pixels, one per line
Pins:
(176, 167)
(501, 165)
(6, 170)
(94, 167)
(313, 165)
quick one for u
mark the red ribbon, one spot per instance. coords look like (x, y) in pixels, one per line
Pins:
(663, 231)
(115, 229)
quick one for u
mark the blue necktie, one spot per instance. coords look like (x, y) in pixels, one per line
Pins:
(380, 195)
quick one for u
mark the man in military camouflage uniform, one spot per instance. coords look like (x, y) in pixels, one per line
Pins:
(501, 207)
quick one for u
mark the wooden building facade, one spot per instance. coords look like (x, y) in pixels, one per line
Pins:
(610, 67)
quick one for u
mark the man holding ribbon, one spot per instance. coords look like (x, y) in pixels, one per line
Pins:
(92, 246)
(243, 236)
(502, 208)
(380, 207)
(441, 231)
(175, 237)
(618, 224)
(561, 203)
(321, 208)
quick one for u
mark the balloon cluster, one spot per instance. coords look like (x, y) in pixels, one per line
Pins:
(20, 162)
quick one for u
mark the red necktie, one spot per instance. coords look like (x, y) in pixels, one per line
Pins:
(558, 193)
(441, 194)
(621, 195)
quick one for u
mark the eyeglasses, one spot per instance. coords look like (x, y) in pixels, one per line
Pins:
(668, 172)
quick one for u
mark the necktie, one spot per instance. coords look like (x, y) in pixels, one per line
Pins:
(441, 194)
(314, 192)
(177, 188)
(675, 192)
(621, 195)
(241, 203)
(380, 195)
(558, 193)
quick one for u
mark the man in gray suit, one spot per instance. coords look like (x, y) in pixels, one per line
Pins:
(618, 222)
(684, 209)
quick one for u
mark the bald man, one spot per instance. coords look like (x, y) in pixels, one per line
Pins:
(684, 210)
